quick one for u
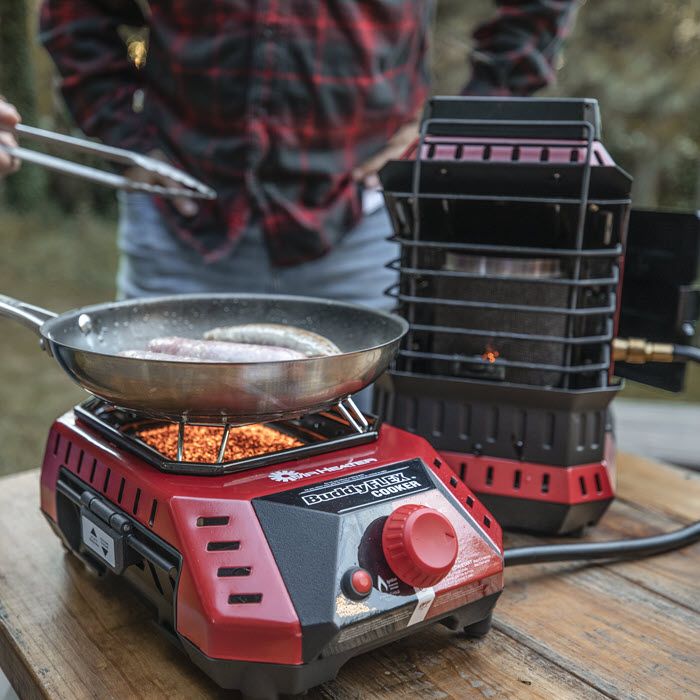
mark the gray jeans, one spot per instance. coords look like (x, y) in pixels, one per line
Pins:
(155, 262)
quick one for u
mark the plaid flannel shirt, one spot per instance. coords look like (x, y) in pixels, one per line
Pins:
(274, 102)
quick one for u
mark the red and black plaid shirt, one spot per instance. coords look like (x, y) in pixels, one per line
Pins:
(274, 102)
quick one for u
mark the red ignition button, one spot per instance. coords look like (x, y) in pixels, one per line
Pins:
(357, 583)
(420, 545)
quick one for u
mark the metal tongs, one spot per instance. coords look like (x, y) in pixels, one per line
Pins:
(190, 187)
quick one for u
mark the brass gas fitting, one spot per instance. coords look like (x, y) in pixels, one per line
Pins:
(638, 351)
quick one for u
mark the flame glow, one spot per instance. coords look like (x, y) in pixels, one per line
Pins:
(491, 354)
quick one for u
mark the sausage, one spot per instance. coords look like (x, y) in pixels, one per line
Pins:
(307, 342)
(215, 351)
(150, 355)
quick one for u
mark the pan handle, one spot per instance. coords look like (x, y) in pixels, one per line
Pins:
(33, 317)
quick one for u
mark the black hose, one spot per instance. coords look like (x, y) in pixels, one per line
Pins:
(618, 549)
(684, 353)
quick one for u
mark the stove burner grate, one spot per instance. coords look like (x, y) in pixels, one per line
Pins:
(316, 433)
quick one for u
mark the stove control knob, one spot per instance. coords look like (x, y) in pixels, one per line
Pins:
(357, 583)
(420, 545)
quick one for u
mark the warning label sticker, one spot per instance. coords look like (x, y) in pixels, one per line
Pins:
(98, 540)
(360, 490)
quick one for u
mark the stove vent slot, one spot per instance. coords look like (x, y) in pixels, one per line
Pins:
(244, 598)
(154, 509)
(212, 520)
(226, 571)
(223, 546)
(137, 498)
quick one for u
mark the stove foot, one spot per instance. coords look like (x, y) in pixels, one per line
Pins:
(479, 629)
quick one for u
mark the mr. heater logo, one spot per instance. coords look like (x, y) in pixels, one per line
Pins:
(285, 475)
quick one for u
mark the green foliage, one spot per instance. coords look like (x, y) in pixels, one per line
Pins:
(17, 81)
(641, 60)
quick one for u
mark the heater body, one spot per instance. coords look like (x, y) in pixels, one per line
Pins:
(512, 218)
(271, 578)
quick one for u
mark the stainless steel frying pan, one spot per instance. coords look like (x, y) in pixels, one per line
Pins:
(86, 343)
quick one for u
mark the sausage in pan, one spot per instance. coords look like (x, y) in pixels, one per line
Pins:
(215, 351)
(307, 342)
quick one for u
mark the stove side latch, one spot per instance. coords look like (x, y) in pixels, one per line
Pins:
(103, 532)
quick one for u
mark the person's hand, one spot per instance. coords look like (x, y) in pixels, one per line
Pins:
(186, 207)
(399, 142)
(9, 117)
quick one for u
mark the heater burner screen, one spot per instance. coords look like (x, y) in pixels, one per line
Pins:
(202, 442)
(503, 280)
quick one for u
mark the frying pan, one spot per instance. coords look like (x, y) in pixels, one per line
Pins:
(86, 343)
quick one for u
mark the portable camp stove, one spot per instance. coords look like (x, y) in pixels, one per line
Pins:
(274, 553)
(512, 219)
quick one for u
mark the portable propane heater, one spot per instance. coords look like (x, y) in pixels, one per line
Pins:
(274, 552)
(512, 219)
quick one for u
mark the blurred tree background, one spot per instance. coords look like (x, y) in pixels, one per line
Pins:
(640, 59)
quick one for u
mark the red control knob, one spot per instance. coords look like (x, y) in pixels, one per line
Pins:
(420, 545)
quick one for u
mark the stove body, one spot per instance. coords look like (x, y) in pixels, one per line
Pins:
(254, 571)
(512, 220)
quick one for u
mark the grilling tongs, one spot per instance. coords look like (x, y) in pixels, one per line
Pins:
(190, 187)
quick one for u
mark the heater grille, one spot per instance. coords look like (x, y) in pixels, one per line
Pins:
(510, 252)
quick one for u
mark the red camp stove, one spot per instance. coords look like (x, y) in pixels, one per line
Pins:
(278, 551)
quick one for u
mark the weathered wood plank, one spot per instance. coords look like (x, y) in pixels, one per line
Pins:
(660, 487)
(618, 637)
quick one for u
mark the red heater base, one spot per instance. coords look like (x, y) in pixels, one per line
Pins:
(539, 497)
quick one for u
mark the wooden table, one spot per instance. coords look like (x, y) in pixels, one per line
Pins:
(560, 630)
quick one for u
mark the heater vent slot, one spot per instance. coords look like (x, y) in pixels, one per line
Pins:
(81, 457)
(105, 485)
(137, 498)
(470, 501)
(93, 469)
(120, 494)
(244, 598)
(598, 483)
(69, 446)
(56, 443)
